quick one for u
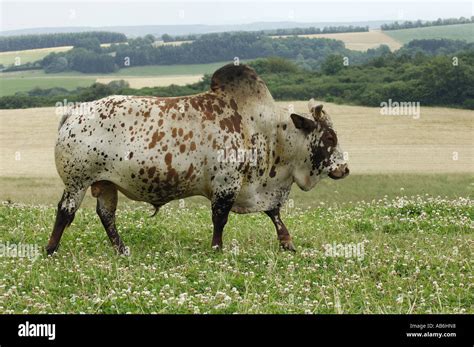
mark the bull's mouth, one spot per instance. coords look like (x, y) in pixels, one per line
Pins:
(339, 173)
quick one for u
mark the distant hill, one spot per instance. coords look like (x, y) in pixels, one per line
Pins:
(158, 30)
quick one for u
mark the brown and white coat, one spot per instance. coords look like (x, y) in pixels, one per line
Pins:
(231, 144)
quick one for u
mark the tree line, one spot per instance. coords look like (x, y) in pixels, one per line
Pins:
(278, 32)
(88, 56)
(419, 23)
(223, 47)
(417, 74)
(22, 42)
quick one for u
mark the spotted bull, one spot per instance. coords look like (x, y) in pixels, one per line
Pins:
(232, 144)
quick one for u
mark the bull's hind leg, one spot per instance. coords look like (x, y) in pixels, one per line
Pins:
(221, 206)
(107, 198)
(67, 207)
(282, 232)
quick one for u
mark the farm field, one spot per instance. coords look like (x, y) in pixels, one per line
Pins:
(172, 43)
(158, 81)
(374, 143)
(454, 32)
(140, 76)
(179, 69)
(29, 55)
(10, 86)
(360, 41)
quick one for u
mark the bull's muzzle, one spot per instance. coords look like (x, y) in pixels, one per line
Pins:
(341, 171)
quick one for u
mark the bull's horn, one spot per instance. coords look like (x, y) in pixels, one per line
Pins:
(311, 105)
(318, 111)
(315, 109)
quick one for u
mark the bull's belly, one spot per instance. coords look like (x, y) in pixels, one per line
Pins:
(243, 204)
(154, 197)
(152, 194)
(250, 199)
(155, 186)
(256, 199)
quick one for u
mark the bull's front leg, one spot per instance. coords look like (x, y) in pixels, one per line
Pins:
(282, 232)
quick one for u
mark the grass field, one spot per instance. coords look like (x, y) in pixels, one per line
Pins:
(404, 217)
(140, 76)
(10, 86)
(410, 255)
(159, 81)
(360, 41)
(160, 70)
(355, 188)
(454, 32)
(396, 38)
(29, 55)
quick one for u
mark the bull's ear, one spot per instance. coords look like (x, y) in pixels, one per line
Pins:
(302, 123)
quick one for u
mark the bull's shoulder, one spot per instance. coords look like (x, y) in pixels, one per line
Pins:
(233, 74)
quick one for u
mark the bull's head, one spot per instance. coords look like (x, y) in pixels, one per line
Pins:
(319, 154)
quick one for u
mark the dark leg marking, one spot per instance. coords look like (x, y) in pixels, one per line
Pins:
(67, 207)
(107, 198)
(282, 232)
(221, 207)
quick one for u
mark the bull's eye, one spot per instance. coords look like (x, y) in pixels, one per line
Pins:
(330, 138)
(331, 141)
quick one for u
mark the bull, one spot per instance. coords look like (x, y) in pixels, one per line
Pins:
(156, 150)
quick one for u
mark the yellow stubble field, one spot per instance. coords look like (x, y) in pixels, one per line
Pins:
(441, 140)
(360, 41)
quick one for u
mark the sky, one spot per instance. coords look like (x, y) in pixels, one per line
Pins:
(21, 14)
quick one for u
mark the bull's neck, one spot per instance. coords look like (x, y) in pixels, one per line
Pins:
(289, 141)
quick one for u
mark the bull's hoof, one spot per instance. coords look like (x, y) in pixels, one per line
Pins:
(217, 248)
(287, 245)
(124, 250)
(50, 250)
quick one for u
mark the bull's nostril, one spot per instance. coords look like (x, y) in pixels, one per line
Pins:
(346, 172)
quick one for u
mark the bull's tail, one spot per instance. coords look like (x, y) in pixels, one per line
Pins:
(157, 208)
(64, 117)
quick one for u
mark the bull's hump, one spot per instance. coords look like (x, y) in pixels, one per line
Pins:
(239, 80)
